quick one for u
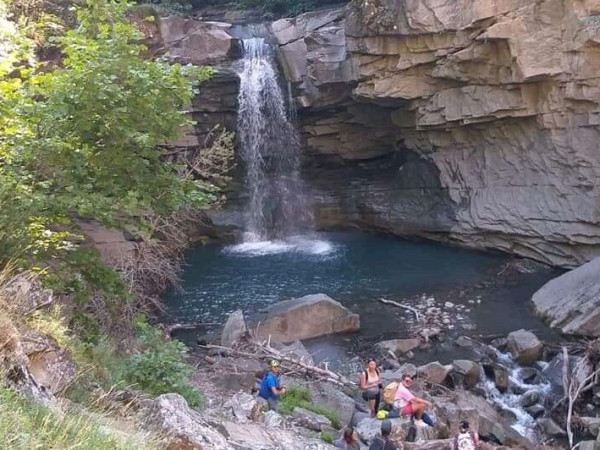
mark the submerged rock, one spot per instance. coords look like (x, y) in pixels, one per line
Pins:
(399, 346)
(307, 317)
(571, 302)
(524, 346)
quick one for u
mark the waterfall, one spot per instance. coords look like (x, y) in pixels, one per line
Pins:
(277, 207)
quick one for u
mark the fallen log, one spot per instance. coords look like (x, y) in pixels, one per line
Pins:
(400, 305)
(266, 352)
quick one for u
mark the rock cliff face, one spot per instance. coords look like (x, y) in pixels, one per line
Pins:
(471, 122)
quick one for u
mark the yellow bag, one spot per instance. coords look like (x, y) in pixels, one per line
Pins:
(390, 392)
(382, 414)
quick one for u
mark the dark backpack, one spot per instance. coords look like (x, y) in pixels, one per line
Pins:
(265, 391)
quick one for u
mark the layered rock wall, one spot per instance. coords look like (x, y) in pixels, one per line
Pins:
(471, 122)
(483, 116)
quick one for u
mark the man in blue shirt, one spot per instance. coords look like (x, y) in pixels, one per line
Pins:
(270, 389)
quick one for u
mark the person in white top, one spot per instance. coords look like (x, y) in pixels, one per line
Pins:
(407, 404)
(370, 383)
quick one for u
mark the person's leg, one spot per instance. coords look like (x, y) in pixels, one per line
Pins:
(273, 404)
(428, 420)
(418, 410)
(372, 406)
(377, 401)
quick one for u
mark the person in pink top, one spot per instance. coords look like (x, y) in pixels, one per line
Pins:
(407, 404)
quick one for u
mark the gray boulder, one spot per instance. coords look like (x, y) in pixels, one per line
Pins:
(296, 350)
(273, 420)
(591, 425)
(307, 317)
(368, 429)
(465, 372)
(524, 346)
(435, 372)
(171, 417)
(550, 427)
(329, 397)
(242, 405)
(589, 445)
(234, 328)
(571, 302)
(309, 419)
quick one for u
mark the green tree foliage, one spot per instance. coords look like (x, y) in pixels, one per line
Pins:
(272, 7)
(83, 140)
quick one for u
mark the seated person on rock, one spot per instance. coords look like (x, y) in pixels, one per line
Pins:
(270, 388)
(383, 442)
(407, 404)
(348, 441)
(370, 383)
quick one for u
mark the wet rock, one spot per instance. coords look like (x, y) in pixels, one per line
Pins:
(307, 317)
(310, 420)
(529, 374)
(464, 341)
(524, 346)
(234, 329)
(399, 346)
(465, 372)
(550, 427)
(536, 410)
(170, 416)
(482, 417)
(500, 344)
(499, 374)
(571, 302)
(530, 398)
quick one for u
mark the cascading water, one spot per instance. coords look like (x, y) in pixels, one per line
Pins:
(277, 206)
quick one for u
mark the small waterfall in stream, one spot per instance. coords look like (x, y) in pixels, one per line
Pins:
(277, 207)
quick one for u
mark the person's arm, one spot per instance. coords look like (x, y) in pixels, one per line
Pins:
(273, 384)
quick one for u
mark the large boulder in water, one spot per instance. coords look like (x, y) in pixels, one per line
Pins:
(307, 317)
(234, 328)
(524, 346)
(571, 302)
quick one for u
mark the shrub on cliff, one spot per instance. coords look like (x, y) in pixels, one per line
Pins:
(161, 367)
